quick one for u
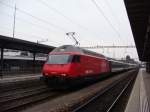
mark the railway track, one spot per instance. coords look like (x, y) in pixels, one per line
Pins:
(17, 85)
(30, 94)
(106, 100)
(21, 94)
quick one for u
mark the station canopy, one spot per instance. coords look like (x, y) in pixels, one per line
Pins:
(139, 16)
(18, 44)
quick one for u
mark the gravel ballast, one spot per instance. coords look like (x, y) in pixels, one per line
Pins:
(66, 102)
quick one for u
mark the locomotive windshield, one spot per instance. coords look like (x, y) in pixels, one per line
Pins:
(58, 59)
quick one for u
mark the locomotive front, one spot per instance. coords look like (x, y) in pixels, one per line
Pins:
(59, 64)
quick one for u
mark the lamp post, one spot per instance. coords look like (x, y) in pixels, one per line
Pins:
(14, 23)
(39, 41)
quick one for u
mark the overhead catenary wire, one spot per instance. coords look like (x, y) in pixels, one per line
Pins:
(37, 18)
(28, 22)
(60, 13)
(69, 19)
(112, 12)
(64, 16)
(117, 20)
(57, 11)
(35, 36)
(20, 33)
(108, 21)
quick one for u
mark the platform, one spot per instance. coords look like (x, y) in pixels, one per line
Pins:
(139, 100)
(15, 78)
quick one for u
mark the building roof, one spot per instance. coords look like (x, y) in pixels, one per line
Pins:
(18, 44)
(139, 16)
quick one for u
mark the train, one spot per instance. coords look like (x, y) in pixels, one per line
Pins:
(70, 64)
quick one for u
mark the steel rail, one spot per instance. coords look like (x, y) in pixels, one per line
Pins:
(102, 92)
(99, 94)
(13, 104)
(117, 99)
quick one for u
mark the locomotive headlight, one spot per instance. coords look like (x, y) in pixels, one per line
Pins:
(46, 73)
(63, 74)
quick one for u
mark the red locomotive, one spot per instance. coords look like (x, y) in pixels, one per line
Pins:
(69, 63)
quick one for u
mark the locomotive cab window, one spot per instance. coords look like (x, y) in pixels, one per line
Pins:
(76, 58)
(58, 59)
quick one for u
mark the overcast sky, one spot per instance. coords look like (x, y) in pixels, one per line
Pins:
(103, 23)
